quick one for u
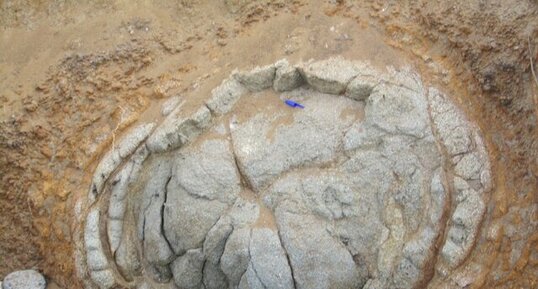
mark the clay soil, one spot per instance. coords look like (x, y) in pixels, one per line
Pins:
(74, 76)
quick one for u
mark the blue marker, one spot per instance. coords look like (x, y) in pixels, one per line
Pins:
(293, 103)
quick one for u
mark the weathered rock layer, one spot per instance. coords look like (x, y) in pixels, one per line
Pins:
(376, 183)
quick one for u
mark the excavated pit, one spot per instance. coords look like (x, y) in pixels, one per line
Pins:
(377, 182)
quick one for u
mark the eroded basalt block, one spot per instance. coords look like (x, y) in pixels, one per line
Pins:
(353, 191)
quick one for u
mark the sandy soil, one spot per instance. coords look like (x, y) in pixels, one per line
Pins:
(74, 76)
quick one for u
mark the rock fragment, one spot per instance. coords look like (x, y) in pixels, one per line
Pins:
(304, 239)
(176, 131)
(258, 79)
(116, 155)
(224, 96)
(329, 76)
(287, 77)
(97, 262)
(25, 279)
(360, 87)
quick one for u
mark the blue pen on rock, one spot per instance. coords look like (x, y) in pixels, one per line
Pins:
(293, 103)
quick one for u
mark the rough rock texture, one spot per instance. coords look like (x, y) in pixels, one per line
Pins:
(257, 79)
(224, 97)
(114, 157)
(177, 131)
(287, 77)
(329, 76)
(25, 279)
(187, 269)
(353, 191)
(361, 87)
(269, 260)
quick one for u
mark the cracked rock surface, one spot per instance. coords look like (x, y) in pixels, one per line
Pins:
(378, 182)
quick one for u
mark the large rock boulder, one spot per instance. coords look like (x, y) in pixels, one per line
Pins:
(351, 190)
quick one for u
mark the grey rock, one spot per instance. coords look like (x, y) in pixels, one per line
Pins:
(156, 247)
(159, 273)
(113, 158)
(251, 280)
(104, 279)
(96, 260)
(406, 275)
(216, 240)
(25, 279)
(361, 87)
(117, 204)
(204, 183)
(329, 195)
(374, 171)
(243, 213)
(398, 110)
(305, 240)
(452, 253)
(209, 172)
(469, 211)
(224, 97)
(420, 249)
(357, 203)
(176, 131)
(348, 202)
(214, 278)
(329, 76)
(287, 77)
(269, 261)
(119, 190)
(464, 229)
(187, 269)
(362, 135)
(236, 256)
(259, 78)
(213, 248)
(133, 138)
(95, 256)
(450, 124)
(469, 167)
(313, 138)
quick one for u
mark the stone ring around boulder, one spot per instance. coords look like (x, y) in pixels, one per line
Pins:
(376, 183)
